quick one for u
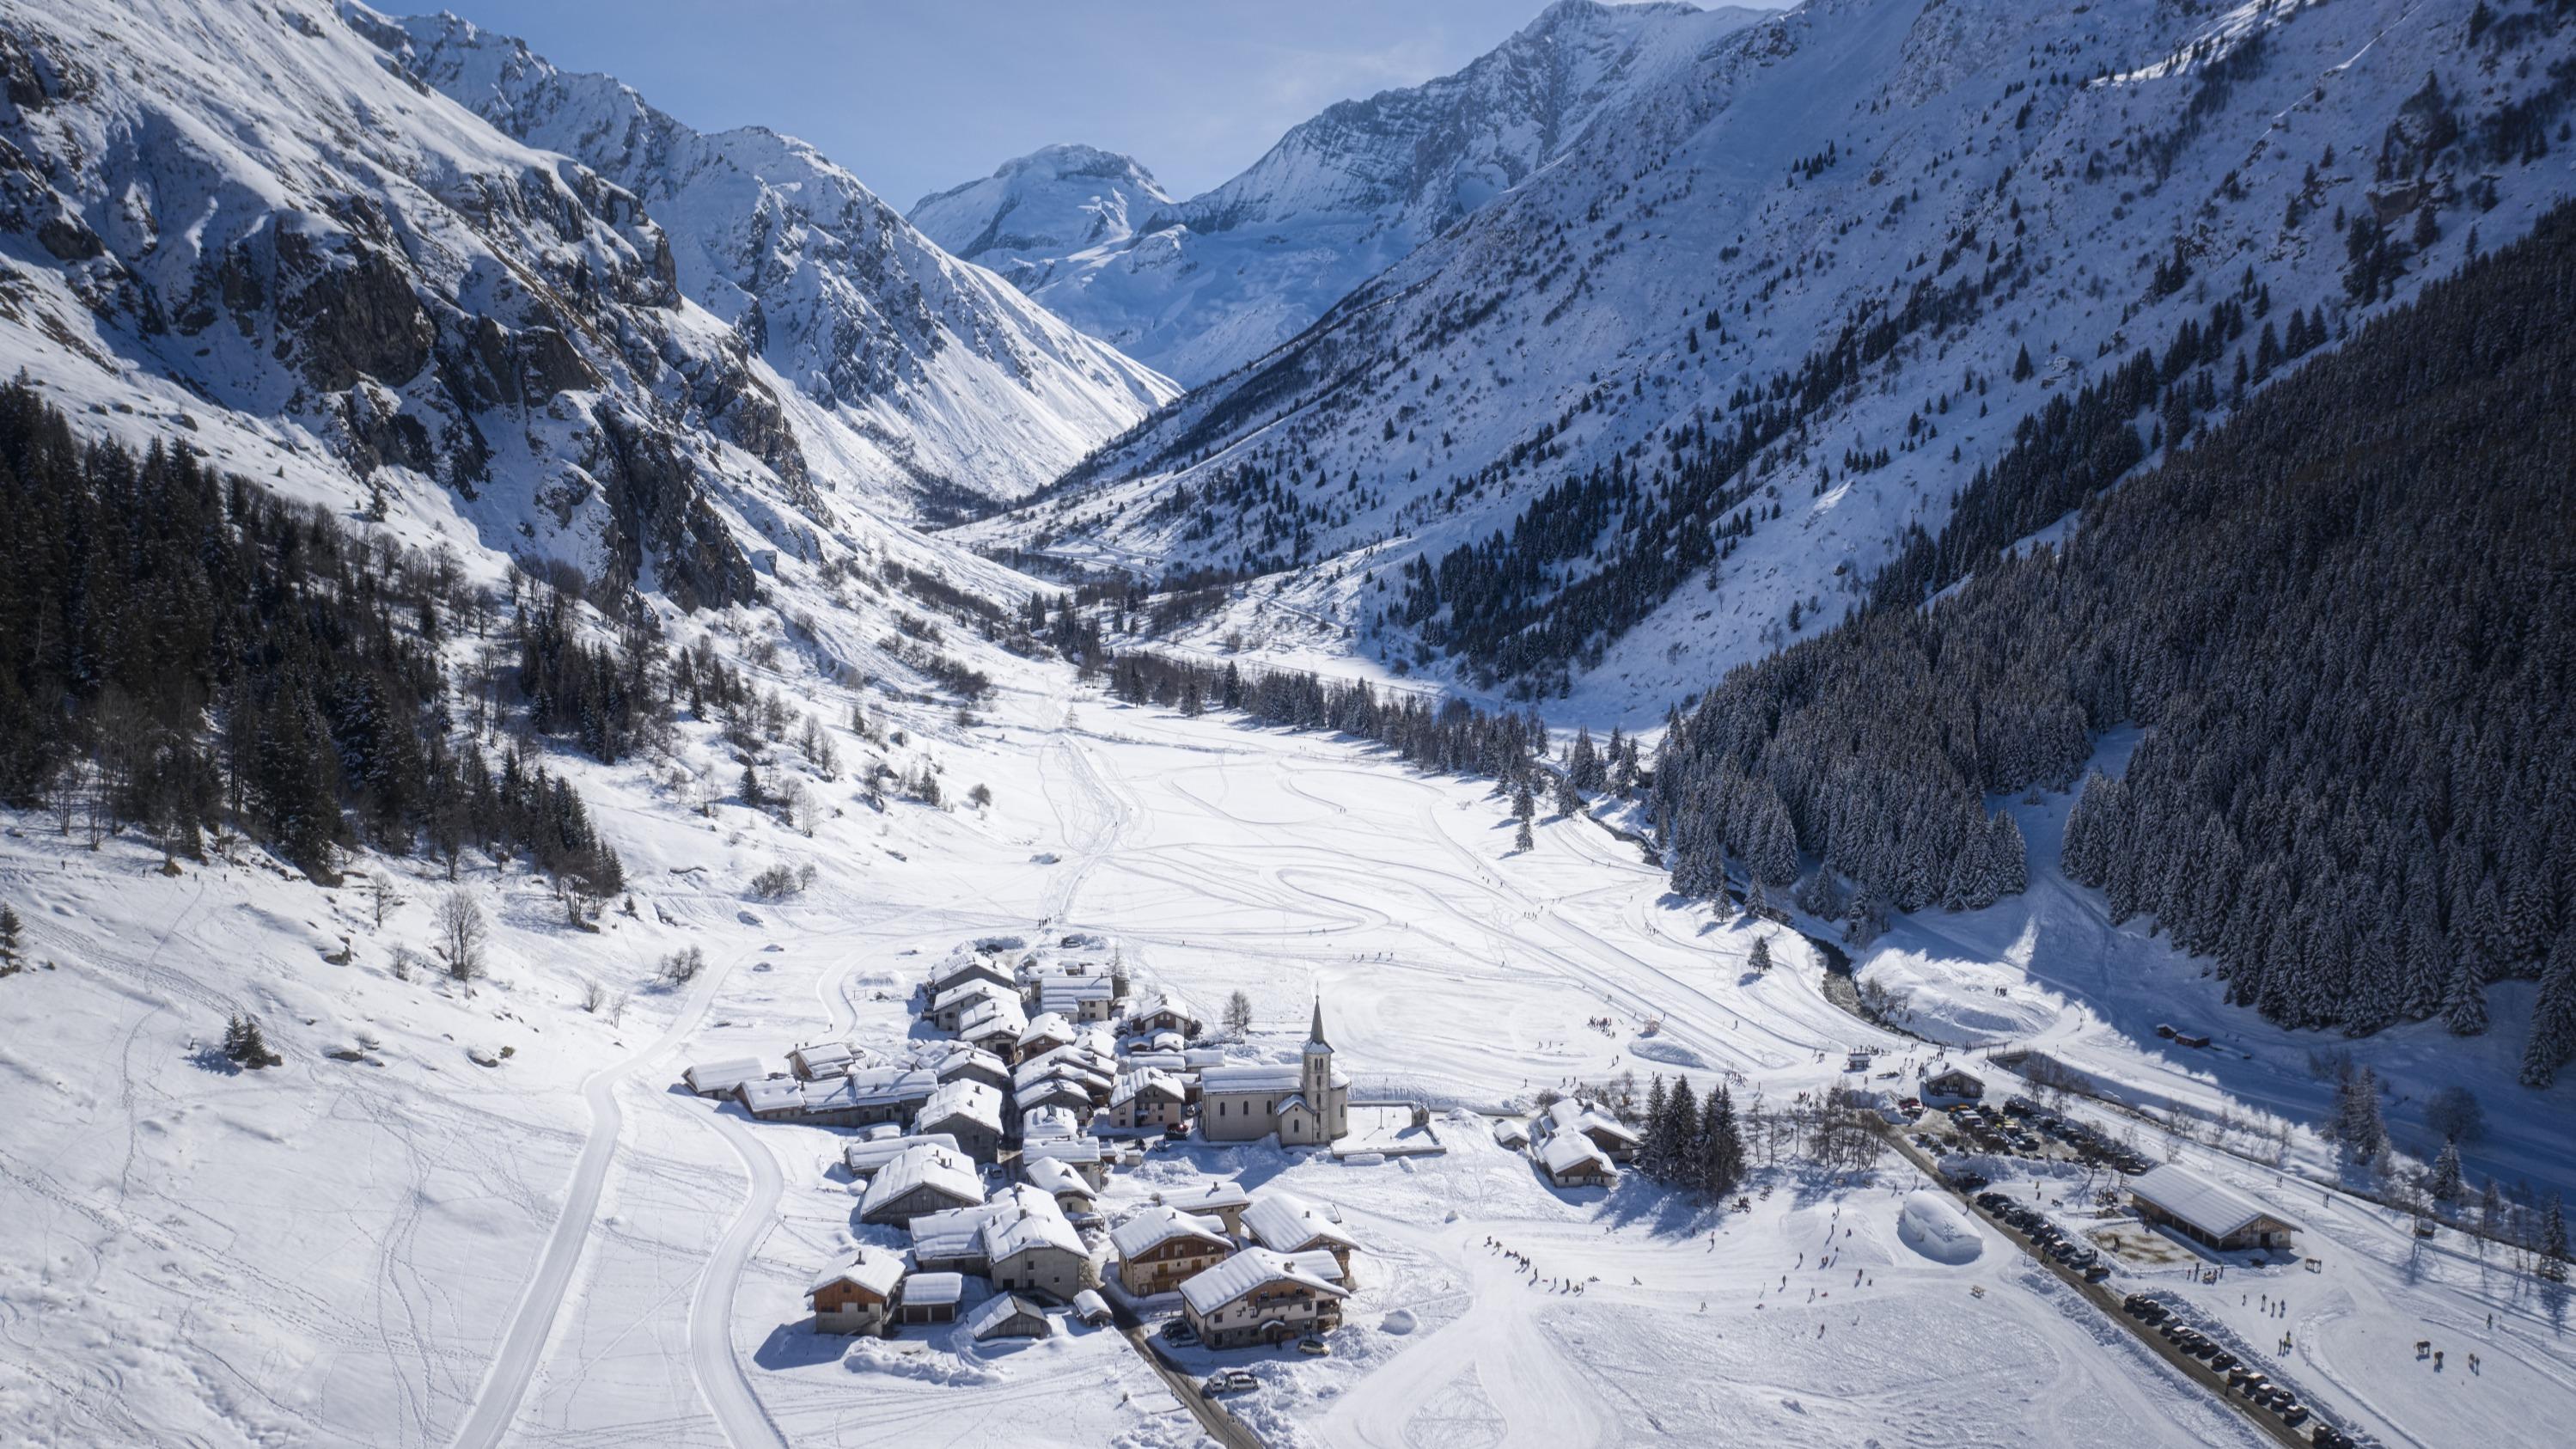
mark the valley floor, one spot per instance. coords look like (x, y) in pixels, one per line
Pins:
(411, 1248)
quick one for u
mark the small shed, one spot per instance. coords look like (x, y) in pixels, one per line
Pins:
(1090, 1307)
(1952, 1087)
(931, 1298)
(1009, 1315)
(1511, 1132)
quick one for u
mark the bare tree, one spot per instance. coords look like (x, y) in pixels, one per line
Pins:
(380, 893)
(461, 931)
(1238, 1014)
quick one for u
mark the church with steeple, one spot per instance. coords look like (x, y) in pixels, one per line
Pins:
(1307, 1104)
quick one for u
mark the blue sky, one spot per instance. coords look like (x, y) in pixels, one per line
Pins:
(915, 96)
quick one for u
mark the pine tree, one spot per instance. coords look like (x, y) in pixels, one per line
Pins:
(1722, 1163)
(246, 1045)
(1524, 807)
(2553, 1239)
(1521, 837)
(2464, 1005)
(1760, 960)
(2446, 1186)
(752, 793)
(1681, 1136)
(1652, 1150)
(9, 934)
(2553, 1015)
(2358, 1125)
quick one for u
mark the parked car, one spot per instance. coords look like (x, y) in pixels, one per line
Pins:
(1178, 1333)
(1313, 1346)
(1232, 1381)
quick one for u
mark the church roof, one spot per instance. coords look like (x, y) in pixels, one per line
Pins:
(1315, 1033)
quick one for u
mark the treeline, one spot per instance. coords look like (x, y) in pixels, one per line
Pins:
(182, 653)
(1450, 737)
(2342, 621)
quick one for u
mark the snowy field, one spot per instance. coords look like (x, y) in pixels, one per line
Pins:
(409, 1247)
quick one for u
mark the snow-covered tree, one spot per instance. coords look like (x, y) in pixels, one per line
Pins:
(2444, 1184)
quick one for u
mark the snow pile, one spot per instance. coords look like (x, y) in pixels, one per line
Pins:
(960, 1369)
(1934, 1225)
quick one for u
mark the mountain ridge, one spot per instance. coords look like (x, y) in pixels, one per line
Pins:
(1201, 286)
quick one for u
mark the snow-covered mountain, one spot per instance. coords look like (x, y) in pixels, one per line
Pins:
(949, 389)
(1050, 203)
(1692, 385)
(1200, 287)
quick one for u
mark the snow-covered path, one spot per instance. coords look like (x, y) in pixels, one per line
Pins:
(532, 1323)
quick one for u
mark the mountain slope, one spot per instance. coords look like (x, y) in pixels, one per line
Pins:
(1709, 373)
(942, 388)
(1200, 287)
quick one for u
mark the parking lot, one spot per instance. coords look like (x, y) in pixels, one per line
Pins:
(2086, 1271)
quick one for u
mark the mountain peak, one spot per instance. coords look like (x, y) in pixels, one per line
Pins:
(1055, 200)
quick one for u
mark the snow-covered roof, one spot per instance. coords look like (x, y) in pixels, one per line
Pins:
(726, 1075)
(1070, 1059)
(1016, 1230)
(1511, 1132)
(1003, 1311)
(869, 1154)
(1090, 1305)
(1566, 1151)
(934, 1288)
(1205, 1199)
(2214, 1208)
(774, 1094)
(943, 1169)
(1289, 1223)
(870, 1087)
(874, 1270)
(950, 1058)
(994, 1016)
(1147, 1083)
(1054, 1175)
(965, 991)
(1161, 1001)
(825, 1058)
(1152, 1227)
(947, 973)
(1062, 1149)
(1048, 1026)
(963, 1099)
(1574, 1116)
(1247, 1272)
(1064, 993)
(1041, 1123)
(1252, 1077)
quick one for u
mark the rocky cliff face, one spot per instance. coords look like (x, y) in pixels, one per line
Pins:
(1199, 287)
(241, 206)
